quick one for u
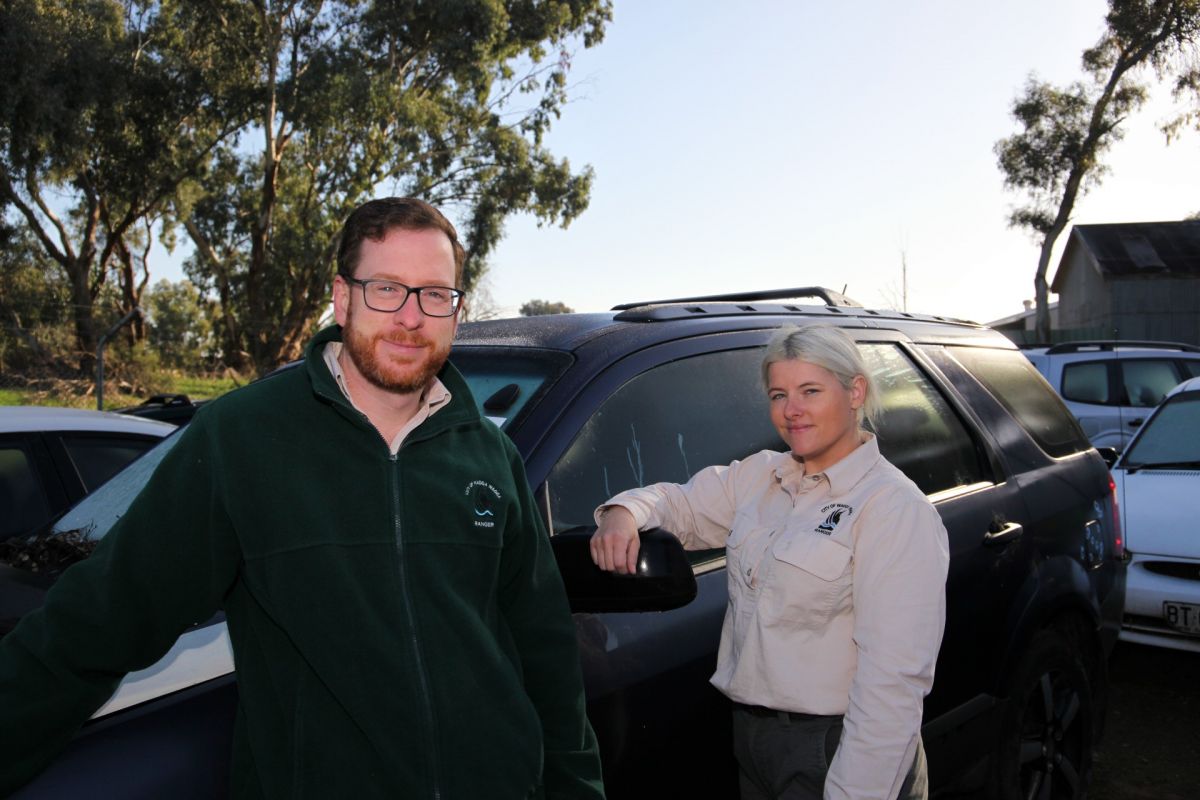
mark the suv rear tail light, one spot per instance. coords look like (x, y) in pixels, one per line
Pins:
(1118, 534)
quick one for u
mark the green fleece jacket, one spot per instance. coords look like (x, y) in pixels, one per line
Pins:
(399, 624)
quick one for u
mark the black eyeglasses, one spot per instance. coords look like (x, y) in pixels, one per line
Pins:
(434, 301)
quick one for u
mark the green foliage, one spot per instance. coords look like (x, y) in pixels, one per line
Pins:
(34, 305)
(103, 111)
(535, 308)
(447, 101)
(132, 368)
(254, 128)
(180, 330)
(1186, 89)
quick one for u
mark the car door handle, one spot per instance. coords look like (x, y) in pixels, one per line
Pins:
(1134, 423)
(1002, 533)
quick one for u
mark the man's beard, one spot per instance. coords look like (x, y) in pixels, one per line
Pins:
(413, 377)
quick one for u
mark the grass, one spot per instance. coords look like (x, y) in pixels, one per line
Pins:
(201, 388)
(11, 397)
(80, 393)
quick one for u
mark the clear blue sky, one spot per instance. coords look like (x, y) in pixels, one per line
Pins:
(761, 144)
(767, 144)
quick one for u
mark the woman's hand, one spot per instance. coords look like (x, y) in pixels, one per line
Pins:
(615, 543)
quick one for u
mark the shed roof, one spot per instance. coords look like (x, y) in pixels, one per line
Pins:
(1137, 248)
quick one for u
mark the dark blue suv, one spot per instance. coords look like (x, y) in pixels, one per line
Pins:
(598, 403)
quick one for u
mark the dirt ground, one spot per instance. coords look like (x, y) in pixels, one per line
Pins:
(1149, 748)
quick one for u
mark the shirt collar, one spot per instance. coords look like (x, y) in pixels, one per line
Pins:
(842, 476)
(845, 474)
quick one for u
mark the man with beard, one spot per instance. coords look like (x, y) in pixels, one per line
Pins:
(397, 619)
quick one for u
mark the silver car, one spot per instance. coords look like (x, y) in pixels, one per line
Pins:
(1112, 386)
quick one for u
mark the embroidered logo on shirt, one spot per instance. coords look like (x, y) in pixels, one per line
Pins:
(835, 513)
(483, 500)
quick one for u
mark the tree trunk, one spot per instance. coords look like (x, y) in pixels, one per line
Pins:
(83, 316)
(131, 293)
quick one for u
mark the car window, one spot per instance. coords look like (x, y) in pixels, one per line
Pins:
(23, 501)
(504, 380)
(1086, 382)
(96, 513)
(1191, 368)
(98, 458)
(670, 422)
(1170, 435)
(1022, 390)
(918, 430)
(1146, 381)
(665, 424)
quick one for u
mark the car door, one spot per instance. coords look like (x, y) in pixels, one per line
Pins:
(1092, 391)
(936, 439)
(1143, 383)
(661, 414)
(667, 412)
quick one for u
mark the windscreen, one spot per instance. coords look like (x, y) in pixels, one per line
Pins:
(1170, 437)
(96, 513)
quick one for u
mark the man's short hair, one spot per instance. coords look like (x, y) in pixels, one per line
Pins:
(375, 218)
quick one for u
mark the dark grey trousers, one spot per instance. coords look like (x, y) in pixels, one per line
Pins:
(784, 756)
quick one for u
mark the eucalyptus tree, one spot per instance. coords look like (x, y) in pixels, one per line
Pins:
(103, 111)
(449, 101)
(1065, 130)
(34, 298)
(180, 327)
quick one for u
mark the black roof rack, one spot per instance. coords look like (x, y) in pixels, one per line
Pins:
(830, 298)
(1112, 344)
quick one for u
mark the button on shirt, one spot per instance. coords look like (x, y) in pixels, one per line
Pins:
(836, 595)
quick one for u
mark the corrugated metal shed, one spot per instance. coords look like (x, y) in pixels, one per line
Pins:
(1138, 248)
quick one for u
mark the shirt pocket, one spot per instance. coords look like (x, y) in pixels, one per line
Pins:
(810, 580)
(740, 561)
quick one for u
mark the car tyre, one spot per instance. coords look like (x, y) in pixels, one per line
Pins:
(1045, 745)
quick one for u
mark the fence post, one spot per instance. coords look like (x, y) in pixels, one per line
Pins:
(100, 355)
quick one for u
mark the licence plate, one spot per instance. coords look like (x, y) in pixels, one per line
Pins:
(1182, 616)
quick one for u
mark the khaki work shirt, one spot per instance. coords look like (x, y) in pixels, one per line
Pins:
(836, 596)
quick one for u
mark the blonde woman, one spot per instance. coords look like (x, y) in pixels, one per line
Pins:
(837, 568)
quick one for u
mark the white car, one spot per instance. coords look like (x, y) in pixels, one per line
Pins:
(1158, 489)
(51, 457)
(1112, 386)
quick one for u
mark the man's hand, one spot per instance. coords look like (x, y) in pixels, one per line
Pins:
(615, 543)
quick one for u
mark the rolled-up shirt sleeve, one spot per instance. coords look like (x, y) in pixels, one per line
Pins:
(699, 512)
(901, 557)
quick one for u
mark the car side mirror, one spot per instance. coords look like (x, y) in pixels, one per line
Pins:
(664, 578)
(1109, 454)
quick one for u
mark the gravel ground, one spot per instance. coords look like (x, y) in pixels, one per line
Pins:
(1153, 727)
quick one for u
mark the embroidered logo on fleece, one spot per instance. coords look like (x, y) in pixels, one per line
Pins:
(834, 514)
(483, 501)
